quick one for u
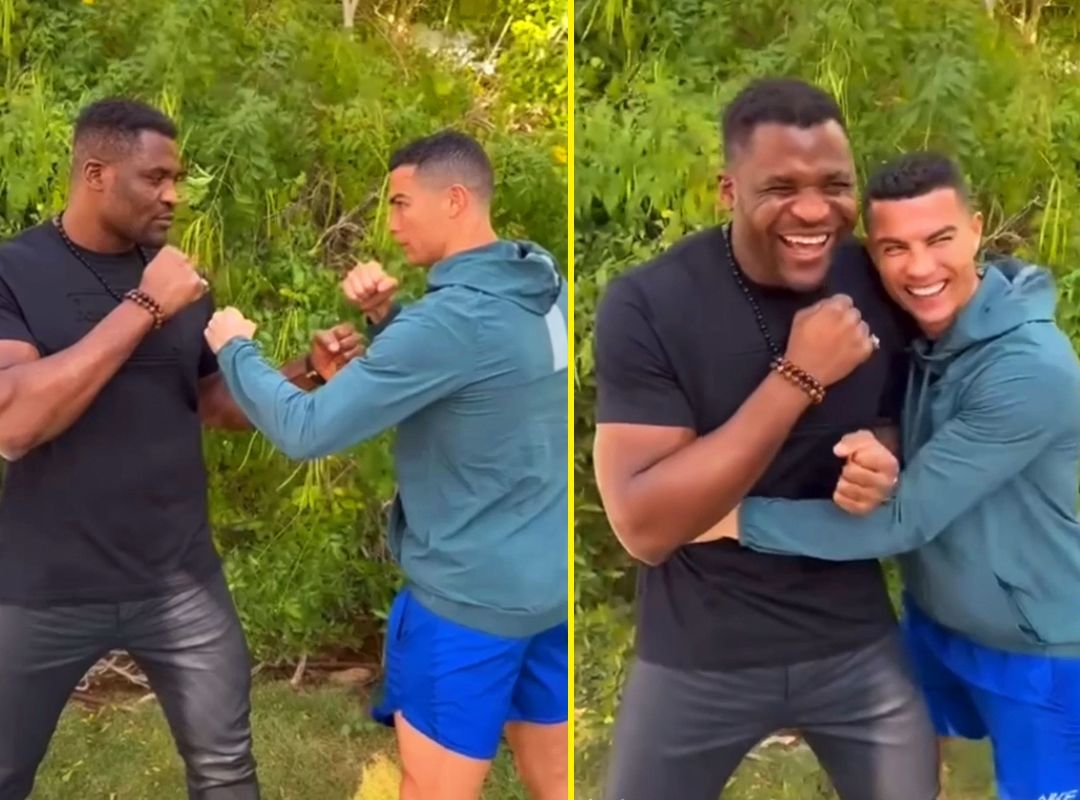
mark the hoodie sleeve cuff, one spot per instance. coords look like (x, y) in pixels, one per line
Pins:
(236, 344)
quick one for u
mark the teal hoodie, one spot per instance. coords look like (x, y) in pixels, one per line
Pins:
(474, 377)
(985, 510)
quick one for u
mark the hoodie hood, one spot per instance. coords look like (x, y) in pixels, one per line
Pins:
(1010, 294)
(522, 272)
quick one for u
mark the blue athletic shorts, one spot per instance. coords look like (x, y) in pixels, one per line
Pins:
(460, 686)
(1028, 705)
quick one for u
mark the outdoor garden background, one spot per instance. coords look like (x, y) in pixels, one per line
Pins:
(996, 83)
(288, 112)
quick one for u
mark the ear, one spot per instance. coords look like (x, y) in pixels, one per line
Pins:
(977, 230)
(726, 190)
(93, 174)
(459, 200)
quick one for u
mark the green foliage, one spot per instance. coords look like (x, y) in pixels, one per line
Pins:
(287, 122)
(652, 79)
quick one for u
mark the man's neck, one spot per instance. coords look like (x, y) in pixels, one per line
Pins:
(83, 229)
(749, 262)
(471, 237)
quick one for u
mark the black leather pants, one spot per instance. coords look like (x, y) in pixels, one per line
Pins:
(192, 649)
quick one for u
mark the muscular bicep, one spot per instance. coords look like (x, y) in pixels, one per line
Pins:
(621, 452)
(636, 384)
(13, 353)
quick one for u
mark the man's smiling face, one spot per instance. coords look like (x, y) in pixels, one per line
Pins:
(925, 249)
(792, 192)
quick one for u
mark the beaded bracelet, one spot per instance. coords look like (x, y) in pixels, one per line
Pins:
(800, 377)
(145, 301)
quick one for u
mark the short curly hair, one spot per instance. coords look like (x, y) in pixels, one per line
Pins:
(913, 175)
(783, 101)
(112, 126)
(454, 153)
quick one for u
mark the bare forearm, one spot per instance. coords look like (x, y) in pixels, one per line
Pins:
(682, 496)
(41, 399)
(219, 410)
(296, 372)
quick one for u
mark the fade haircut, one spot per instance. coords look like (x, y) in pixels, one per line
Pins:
(913, 175)
(110, 128)
(455, 155)
(780, 101)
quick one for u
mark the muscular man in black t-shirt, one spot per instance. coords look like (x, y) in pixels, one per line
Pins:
(104, 537)
(733, 645)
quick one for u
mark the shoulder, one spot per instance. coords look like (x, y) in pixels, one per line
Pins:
(22, 259)
(1030, 373)
(1040, 350)
(690, 255)
(439, 317)
(26, 248)
(666, 282)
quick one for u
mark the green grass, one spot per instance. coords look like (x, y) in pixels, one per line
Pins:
(778, 773)
(313, 744)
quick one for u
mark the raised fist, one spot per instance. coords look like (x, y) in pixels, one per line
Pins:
(368, 288)
(869, 476)
(333, 349)
(225, 325)
(171, 281)
(829, 339)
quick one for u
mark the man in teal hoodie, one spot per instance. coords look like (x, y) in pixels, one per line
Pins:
(984, 514)
(474, 378)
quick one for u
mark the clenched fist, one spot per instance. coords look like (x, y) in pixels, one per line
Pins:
(869, 475)
(829, 339)
(171, 281)
(368, 288)
(333, 349)
(226, 324)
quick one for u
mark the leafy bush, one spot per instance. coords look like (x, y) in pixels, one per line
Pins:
(287, 121)
(999, 91)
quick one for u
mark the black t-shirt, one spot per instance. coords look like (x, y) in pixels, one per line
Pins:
(677, 344)
(115, 507)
